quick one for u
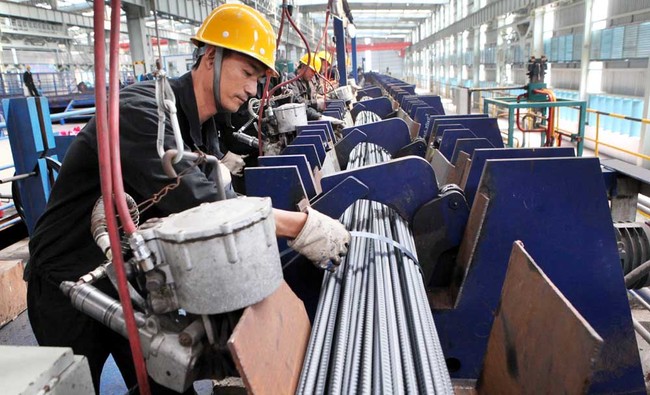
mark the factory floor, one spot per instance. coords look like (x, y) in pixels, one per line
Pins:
(18, 331)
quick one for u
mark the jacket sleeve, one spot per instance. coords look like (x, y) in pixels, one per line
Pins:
(142, 167)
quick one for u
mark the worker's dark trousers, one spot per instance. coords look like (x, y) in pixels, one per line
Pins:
(32, 90)
(56, 323)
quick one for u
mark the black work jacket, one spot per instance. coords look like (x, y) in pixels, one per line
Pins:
(27, 78)
(62, 246)
(304, 92)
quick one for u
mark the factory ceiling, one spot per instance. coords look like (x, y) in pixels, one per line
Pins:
(391, 19)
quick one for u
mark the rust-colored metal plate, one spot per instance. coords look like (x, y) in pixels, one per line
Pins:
(539, 342)
(269, 342)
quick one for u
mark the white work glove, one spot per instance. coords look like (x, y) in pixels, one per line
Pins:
(320, 104)
(235, 163)
(322, 240)
(334, 121)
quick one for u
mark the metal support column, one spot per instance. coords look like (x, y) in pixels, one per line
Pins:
(139, 43)
(511, 127)
(644, 146)
(586, 50)
(339, 35)
(354, 59)
(538, 33)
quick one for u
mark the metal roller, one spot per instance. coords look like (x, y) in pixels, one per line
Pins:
(634, 249)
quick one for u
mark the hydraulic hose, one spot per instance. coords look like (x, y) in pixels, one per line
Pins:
(518, 120)
(551, 116)
(104, 153)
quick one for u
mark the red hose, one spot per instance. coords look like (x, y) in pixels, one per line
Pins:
(106, 178)
(114, 120)
(518, 121)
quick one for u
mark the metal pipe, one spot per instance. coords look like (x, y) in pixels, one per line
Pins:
(641, 330)
(18, 177)
(641, 299)
(643, 293)
(96, 304)
(643, 199)
(643, 208)
(636, 274)
(7, 206)
(71, 113)
(192, 334)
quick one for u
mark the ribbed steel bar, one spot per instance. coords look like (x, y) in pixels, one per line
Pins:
(373, 323)
(392, 330)
(441, 374)
(382, 331)
(355, 341)
(315, 348)
(410, 380)
(351, 283)
(329, 330)
(358, 305)
(365, 385)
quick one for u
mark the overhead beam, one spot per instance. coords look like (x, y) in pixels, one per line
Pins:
(385, 46)
(384, 26)
(371, 6)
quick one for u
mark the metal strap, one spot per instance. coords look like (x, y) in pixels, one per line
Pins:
(364, 235)
(401, 247)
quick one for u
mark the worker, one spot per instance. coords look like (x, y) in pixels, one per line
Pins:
(28, 79)
(305, 90)
(328, 70)
(236, 46)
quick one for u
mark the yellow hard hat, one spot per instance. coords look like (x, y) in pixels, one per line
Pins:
(324, 55)
(239, 28)
(314, 64)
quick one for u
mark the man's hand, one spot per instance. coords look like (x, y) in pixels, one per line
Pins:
(334, 121)
(235, 163)
(321, 240)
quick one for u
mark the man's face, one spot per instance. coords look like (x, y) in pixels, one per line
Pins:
(309, 74)
(325, 65)
(239, 76)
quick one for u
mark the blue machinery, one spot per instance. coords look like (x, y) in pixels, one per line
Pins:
(36, 152)
(466, 199)
(554, 202)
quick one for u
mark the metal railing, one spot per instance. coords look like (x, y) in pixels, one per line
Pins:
(597, 142)
(444, 89)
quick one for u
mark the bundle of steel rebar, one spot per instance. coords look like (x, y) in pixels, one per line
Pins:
(373, 331)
